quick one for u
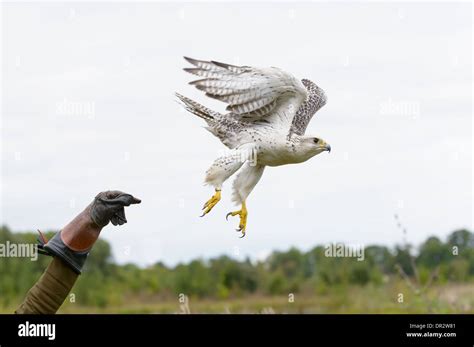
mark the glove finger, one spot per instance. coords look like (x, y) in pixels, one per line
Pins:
(114, 220)
(123, 199)
(135, 200)
(120, 214)
(129, 199)
(114, 194)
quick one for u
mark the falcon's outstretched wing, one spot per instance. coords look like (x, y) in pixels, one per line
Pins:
(316, 99)
(251, 93)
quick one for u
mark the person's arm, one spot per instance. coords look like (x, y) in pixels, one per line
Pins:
(70, 248)
(50, 291)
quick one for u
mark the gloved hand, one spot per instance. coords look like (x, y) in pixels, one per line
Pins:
(73, 243)
(109, 206)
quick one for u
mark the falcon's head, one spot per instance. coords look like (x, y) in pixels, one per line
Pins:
(309, 146)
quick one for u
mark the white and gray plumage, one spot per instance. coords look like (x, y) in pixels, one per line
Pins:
(268, 113)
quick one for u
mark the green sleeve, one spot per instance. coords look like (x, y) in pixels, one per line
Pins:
(50, 291)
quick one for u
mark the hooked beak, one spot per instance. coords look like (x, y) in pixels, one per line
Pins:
(328, 148)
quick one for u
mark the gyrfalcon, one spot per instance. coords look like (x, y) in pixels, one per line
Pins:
(268, 112)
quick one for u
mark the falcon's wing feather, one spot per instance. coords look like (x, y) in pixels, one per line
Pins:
(251, 93)
(316, 99)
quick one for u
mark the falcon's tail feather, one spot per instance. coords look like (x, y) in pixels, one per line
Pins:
(199, 110)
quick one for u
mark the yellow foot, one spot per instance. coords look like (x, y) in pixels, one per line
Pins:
(243, 218)
(208, 206)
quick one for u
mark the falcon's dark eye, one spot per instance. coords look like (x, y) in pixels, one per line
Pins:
(316, 140)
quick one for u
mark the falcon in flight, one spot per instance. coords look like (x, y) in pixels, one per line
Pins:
(268, 113)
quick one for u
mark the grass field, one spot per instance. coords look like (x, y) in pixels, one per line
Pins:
(435, 280)
(449, 298)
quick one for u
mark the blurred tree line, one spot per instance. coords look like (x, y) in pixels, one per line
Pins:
(106, 283)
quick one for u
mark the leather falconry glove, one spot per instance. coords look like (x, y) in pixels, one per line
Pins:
(73, 243)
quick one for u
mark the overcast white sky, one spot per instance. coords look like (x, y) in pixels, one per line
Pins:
(88, 106)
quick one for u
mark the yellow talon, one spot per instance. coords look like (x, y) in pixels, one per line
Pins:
(243, 218)
(208, 206)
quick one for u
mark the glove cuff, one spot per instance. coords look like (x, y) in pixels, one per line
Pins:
(74, 259)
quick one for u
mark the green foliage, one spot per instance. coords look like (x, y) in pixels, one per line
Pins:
(402, 257)
(433, 252)
(105, 283)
